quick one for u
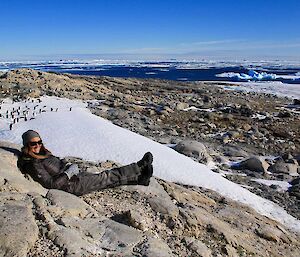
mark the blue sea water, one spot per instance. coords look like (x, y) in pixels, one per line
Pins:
(163, 70)
(160, 73)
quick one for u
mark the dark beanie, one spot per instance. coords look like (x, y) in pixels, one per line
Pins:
(28, 135)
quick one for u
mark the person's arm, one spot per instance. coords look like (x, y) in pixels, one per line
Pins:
(40, 174)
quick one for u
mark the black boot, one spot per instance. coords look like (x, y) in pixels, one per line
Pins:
(146, 160)
(146, 169)
(144, 178)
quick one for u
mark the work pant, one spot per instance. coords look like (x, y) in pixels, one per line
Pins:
(86, 182)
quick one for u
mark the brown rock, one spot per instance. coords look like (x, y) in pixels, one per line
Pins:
(283, 167)
(18, 230)
(256, 164)
(65, 204)
(269, 233)
(198, 247)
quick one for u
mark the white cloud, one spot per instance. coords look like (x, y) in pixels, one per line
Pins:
(212, 42)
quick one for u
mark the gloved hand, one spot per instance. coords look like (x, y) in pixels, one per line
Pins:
(72, 170)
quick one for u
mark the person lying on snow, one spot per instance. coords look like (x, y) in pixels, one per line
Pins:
(55, 173)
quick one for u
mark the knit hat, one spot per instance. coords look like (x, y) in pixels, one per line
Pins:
(28, 135)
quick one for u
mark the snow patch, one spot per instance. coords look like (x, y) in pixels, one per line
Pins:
(274, 87)
(282, 184)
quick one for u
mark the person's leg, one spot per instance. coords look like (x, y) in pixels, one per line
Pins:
(86, 182)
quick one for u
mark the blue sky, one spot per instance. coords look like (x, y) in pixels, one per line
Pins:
(156, 28)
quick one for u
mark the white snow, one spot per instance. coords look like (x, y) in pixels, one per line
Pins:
(272, 87)
(284, 185)
(80, 133)
(225, 172)
(194, 108)
(258, 116)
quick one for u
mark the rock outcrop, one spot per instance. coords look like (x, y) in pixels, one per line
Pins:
(256, 164)
(195, 150)
(164, 219)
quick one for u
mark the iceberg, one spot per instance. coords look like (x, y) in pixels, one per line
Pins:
(251, 76)
(261, 76)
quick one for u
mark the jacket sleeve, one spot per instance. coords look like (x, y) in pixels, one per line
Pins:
(40, 174)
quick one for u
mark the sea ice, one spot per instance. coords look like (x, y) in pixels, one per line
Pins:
(273, 87)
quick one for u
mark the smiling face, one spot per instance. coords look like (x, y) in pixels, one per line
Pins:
(35, 145)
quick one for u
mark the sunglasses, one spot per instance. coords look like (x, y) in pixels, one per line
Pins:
(36, 143)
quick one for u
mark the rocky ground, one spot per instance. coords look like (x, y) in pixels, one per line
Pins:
(164, 219)
(201, 120)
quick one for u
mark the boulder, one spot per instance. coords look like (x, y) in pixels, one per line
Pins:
(164, 110)
(282, 132)
(183, 196)
(154, 189)
(156, 248)
(287, 156)
(18, 230)
(269, 233)
(256, 164)
(163, 206)
(245, 110)
(193, 149)
(296, 102)
(136, 220)
(284, 114)
(280, 166)
(73, 244)
(197, 247)
(234, 151)
(96, 233)
(65, 204)
(233, 134)
(295, 181)
(181, 106)
(295, 191)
